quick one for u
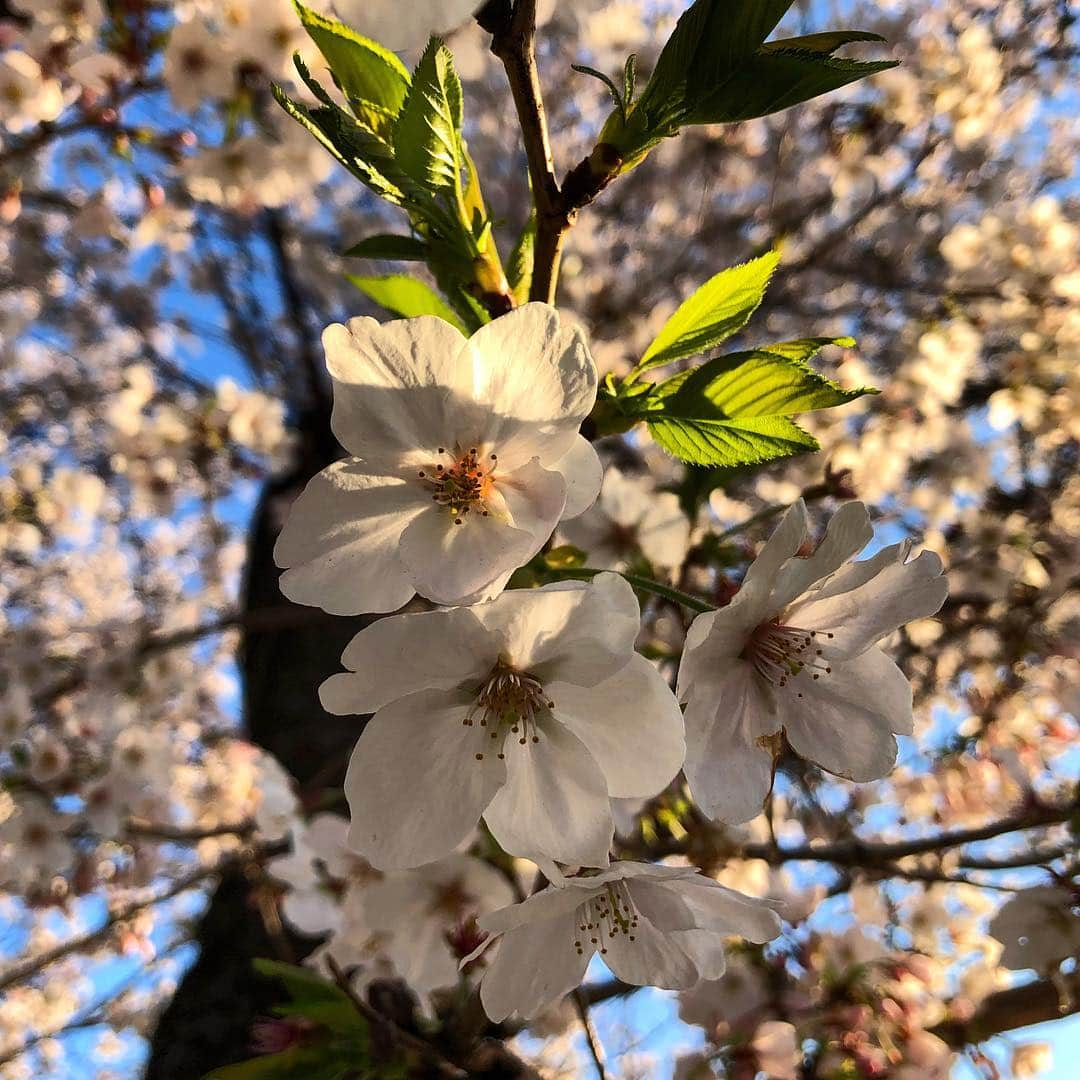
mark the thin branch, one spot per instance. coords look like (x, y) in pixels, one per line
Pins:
(592, 1036)
(514, 43)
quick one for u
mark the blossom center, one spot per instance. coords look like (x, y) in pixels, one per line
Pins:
(778, 653)
(605, 916)
(461, 483)
(509, 701)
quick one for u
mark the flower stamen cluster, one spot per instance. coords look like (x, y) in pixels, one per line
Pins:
(612, 911)
(509, 701)
(463, 485)
(778, 653)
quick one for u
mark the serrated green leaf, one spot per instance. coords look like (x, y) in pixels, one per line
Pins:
(402, 248)
(736, 409)
(752, 441)
(759, 383)
(519, 269)
(720, 308)
(771, 81)
(362, 68)
(804, 349)
(427, 135)
(406, 296)
(361, 152)
(826, 42)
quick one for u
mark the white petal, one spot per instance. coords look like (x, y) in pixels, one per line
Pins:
(537, 378)
(653, 958)
(857, 618)
(581, 469)
(555, 803)
(631, 724)
(341, 540)
(535, 965)
(847, 533)
(414, 786)
(567, 632)
(837, 723)
(852, 575)
(549, 903)
(534, 497)
(786, 539)
(727, 911)
(624, 499)
(729, 773)
(706, 949)
(714, 641)
(430, 650)
(396, 386)
(448, 563)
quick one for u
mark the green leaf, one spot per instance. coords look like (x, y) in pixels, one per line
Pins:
(406, 297)
(720, 308)
(361, 152)
(613, 90)
(312, 1063)
(303, 984)
(566, 557)
(736, 409)
(519, 269)
(427, 135)
(770, 81)
(402, 248)
(749, 442)
(362, 68)
(804, 349)
(828, 42)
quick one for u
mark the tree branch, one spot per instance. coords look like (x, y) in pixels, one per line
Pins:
(514, 43)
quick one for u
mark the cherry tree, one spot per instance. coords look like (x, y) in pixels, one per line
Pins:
(503, 508)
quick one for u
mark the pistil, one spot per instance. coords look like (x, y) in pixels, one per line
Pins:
(462, 483)
(778, 653)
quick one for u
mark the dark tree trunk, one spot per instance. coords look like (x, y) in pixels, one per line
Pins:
(208, 1023)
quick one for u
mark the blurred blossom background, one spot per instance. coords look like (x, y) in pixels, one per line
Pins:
(169, 254)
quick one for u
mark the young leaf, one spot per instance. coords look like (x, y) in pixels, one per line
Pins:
(402, 248)
(749, 441)
(804, 349)
(519, 269)
(406, 297)
(826, 43)
(777, 79)
(427, 135)
(736, 409)
(362, 68)
(303, 984)
(720, 308)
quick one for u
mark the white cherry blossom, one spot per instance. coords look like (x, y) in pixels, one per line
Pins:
(652, 925)
(466, 454)
(795, 652)
(1039, 927)
(631, 519)
(405, 26)
(27, 96)
(532, 711)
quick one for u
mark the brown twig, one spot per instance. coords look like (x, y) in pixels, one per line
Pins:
(592, 1036)
(425, 1050)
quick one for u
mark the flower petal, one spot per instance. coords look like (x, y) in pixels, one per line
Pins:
(728, 771)
(653, 958)
(414, 786)
(847, 533)
(664, 531)
(429, 650)
(844, 721)
(534, 967)
(581, 469)
(727, 911)
(567, 632)
(631, 724)
(534, 497)
(555, 803)
(857, 618)
(450, 563)
(538, 380)
(784, 542)
(396, 387)
(340, 543)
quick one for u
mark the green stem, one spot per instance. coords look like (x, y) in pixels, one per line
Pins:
(645, 584)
